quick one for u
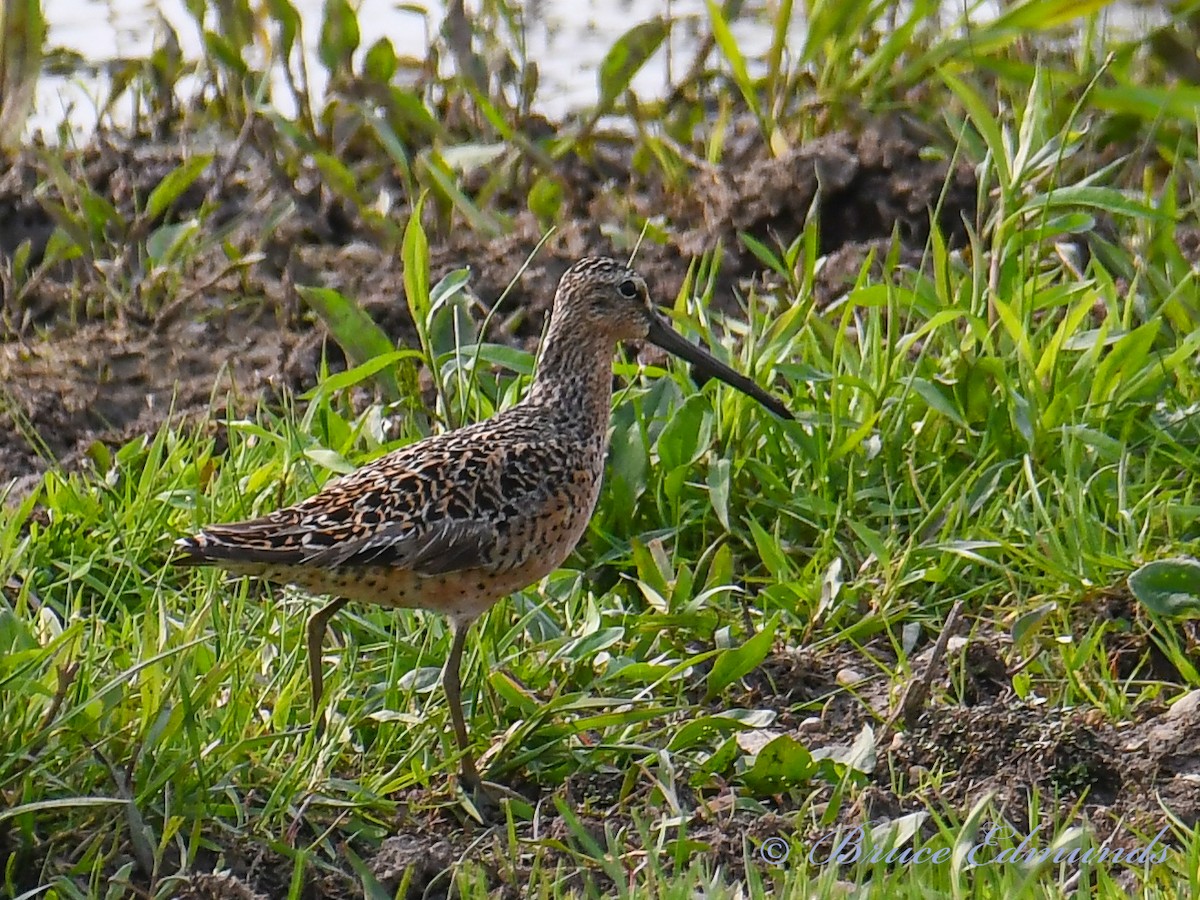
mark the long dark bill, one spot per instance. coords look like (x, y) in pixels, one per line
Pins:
(708, 366)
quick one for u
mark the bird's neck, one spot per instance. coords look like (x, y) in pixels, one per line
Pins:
(574, 376)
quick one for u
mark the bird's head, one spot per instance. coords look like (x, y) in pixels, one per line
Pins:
(607, 297)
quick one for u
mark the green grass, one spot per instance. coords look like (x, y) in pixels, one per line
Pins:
(1010, 424)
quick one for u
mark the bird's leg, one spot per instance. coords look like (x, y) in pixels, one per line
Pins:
(452, 683)
(315, 631)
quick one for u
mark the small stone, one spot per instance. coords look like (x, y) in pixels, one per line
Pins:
(809, 725)
(847, 676)
(955, 644)
(1188, 704)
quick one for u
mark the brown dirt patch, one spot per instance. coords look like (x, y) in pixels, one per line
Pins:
(103, 352)
(115, 381)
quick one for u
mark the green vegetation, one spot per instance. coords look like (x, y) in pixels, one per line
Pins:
(996, 426)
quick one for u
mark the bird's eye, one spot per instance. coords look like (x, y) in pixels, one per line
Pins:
(628, 289)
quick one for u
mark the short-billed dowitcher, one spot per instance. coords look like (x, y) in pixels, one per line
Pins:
(456, 521)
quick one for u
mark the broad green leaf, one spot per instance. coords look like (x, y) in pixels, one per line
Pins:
(356, 333)
(545, 199)
(769, 551)
(23, 37)
(514, 359)
(686, 434)
(628, 461)
(782, 764)
(450, 286)
(171, 188)
(450, 325)
(20, 261)
(515, 695)
(363, 371)
(100, 212)
(962, 860)
(415, 258)
(1169, 587)
(339, 36)
(1021, 416)
(1151, 102)
(337, 176)
(435, 169)
(858, 756)
(621, 718)
(719, 762)
(1110, 200)
(589, 645)
(1046, 15)
(1027, 622)
(718, 490)
(380, 63)
(329, 459)
(1126, 360)
(288, 19)
(939, 400)
(653, 567)
(627, 56)
(220, 48)
(165, 239)
(985, 123)
(60, 246)
(736, 662)
(704, 728)
(410, 110)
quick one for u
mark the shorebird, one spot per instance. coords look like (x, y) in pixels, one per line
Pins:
(456, 521)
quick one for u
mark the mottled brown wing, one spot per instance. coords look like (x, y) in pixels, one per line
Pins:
(452, 545)
(434, 507)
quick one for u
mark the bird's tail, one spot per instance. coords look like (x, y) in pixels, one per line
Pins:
(191, 551)
(234, 545)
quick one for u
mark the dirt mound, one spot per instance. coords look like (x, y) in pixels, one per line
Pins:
(104, 351)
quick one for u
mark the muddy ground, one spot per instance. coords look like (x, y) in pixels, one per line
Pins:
(77, 365)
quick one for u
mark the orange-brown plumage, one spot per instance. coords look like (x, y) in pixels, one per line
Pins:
(456, 521)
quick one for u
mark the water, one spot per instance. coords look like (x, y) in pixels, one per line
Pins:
(567, 38)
